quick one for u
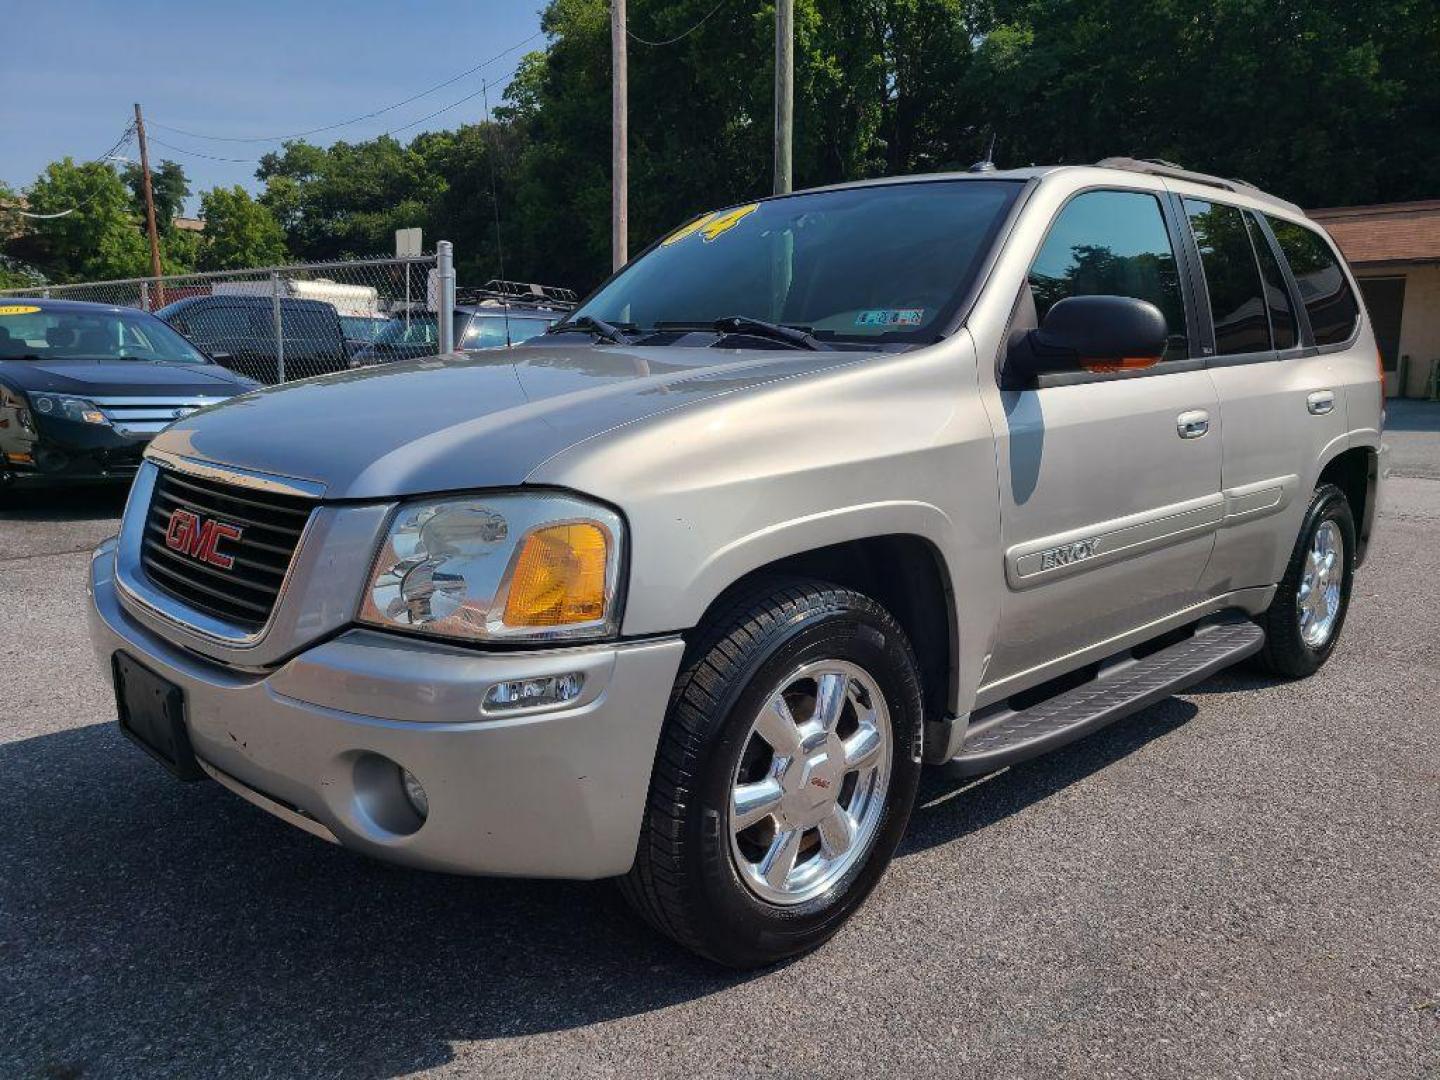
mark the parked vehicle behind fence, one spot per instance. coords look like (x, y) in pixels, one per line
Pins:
(84, 387)
(946, 469)
(499, 314)
(239, 332)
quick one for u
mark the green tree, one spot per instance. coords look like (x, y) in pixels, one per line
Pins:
(239, 232)
(95, 237)
(345, 201)
(169, 187)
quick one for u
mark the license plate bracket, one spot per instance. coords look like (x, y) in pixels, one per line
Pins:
(152, 714)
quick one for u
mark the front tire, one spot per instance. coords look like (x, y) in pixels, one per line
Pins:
(785, 774)
(1303, 622)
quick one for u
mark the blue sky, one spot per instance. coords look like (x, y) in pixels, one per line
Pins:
(73, 69)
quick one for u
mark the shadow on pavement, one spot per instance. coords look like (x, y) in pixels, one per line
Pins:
(948, 808)
(87, 503)
(147, 924)
(1409, 415)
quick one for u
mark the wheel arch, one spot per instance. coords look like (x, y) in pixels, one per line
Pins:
(1356, 472)
(908, 575)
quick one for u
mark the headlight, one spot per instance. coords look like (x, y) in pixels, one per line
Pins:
(63, 407)
(518, 567)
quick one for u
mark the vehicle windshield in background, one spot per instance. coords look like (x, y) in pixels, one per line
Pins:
(421, 329)
(363, 327)
(887, 262)
(26, 332)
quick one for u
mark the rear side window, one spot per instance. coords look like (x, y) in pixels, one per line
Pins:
(1232, 278)
(217, 322)
(1277, 296)
(1324, 290)
(1112, 243)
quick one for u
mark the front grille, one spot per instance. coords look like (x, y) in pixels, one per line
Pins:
(270, 526)
(148, 415)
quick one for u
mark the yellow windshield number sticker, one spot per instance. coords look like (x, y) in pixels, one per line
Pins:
(712, 225)
(18, 309)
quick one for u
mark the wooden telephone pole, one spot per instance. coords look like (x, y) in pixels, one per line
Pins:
(155, 269)
(619, 141)
(784, 93)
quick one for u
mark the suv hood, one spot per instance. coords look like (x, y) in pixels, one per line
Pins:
(461, 421)
(121, 378)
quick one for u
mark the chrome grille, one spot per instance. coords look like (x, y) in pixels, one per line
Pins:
(147, 415)
(270, 524)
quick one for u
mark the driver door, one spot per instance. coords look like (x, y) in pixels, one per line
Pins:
(1110, 483)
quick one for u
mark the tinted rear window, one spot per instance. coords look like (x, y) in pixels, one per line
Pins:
(1237, 302)
(1324, 291)
(1277, 296)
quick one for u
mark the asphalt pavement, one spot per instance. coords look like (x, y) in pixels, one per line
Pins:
(1238, 882)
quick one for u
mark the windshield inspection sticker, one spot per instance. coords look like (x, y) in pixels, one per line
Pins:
(712, 225)
(18, 309)
(891, 317)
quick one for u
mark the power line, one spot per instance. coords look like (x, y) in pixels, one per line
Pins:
(484, 87)
(115, 147)
(353, 120)
(678, 37)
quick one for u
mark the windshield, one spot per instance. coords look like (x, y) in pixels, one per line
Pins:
(888, 262)
(31, 332)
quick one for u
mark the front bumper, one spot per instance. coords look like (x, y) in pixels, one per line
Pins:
(41, 460)
(551, 793)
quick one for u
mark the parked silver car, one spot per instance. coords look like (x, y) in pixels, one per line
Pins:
(946, 469)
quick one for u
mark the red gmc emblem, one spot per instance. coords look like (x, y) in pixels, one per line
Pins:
(199, 538)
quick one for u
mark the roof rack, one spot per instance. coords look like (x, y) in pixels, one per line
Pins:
(1160, 167)
(499, 290)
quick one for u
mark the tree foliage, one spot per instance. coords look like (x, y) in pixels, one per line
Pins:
(239, 232)
(97, 239)
(1325, 102)
(169, 188)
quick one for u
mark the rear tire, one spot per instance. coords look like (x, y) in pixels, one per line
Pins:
(750, 883)
(1304, 620)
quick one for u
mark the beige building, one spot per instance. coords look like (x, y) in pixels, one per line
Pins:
(1394, 249)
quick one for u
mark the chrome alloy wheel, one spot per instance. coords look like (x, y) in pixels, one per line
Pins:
(809, 789)
(1318, 600)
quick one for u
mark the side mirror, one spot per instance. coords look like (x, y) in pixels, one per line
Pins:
(1090, 333)
(221, 358)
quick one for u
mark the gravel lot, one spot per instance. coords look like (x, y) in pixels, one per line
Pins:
(1238, 882)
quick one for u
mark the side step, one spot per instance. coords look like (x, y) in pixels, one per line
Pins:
(1006, 736)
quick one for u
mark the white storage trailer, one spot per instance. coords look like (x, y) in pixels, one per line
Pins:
(362, 300)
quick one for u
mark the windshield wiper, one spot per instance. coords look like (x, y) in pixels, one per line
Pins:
(742, 324)
(599, 327)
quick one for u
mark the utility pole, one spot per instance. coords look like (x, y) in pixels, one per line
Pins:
(784, 92)
(155, 268)
(619, 141)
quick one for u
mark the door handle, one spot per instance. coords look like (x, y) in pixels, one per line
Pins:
(1320, 402)
(1192, 424)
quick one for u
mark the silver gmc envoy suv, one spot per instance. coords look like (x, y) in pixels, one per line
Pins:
(947, 469)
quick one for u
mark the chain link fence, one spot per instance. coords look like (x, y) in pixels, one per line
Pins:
(275, 324)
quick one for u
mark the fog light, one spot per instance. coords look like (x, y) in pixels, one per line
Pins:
(419, 801)
(526, 693)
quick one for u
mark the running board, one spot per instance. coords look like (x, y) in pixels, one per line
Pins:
(1007, 736)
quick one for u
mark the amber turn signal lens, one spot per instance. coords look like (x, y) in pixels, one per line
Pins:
(559, 577)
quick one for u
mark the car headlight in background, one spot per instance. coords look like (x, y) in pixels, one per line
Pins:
(64, 407)
(511, 567)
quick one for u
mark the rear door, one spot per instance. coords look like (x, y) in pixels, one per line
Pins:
(1110, 483)
(1282, 409)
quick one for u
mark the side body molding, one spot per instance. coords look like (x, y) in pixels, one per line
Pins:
(1104, 542)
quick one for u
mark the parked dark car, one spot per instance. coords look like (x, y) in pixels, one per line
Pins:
(238, 332)
(83, 388)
